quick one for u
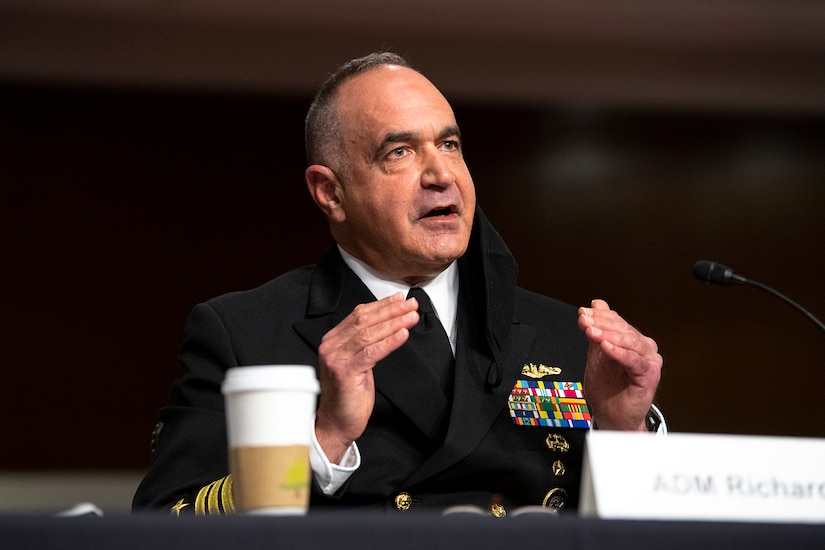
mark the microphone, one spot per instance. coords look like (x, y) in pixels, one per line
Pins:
(717, 274)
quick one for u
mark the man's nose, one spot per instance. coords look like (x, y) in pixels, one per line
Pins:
(437, 170)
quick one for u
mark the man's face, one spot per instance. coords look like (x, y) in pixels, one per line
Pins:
(406, 195)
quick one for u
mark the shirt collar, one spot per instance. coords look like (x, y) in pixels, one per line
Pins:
(442, 290)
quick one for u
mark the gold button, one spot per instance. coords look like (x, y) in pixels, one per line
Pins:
(555, 442)
(403, 501)
(555, 498)
(558, 468)
(498, 510)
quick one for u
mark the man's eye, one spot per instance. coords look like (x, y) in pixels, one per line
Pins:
(398, 152)
(451, 145)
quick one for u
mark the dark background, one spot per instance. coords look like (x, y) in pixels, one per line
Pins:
(130, 195)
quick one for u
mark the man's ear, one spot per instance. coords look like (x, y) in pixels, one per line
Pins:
(326, 191)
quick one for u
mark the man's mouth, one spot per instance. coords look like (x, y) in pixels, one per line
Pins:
(441, 211)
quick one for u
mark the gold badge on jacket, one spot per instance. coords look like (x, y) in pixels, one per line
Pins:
(535, 402)
(539, 371)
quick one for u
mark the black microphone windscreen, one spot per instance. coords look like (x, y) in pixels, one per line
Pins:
(712, 272)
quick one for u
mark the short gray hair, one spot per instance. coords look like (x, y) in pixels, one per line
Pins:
(322, 127)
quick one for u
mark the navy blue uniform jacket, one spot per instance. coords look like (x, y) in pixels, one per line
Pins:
(502, 329)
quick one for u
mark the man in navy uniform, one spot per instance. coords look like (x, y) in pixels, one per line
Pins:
(499, 423)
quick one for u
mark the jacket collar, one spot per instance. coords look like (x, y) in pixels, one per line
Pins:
(492, 269)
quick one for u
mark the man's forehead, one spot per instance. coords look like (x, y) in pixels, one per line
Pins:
(396, 104)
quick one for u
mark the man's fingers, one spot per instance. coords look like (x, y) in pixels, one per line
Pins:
(370, 333)
(602, 316)
(599, 304)
(375, 321)
(617, 338)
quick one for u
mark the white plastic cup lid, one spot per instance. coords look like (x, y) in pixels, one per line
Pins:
(271, 377)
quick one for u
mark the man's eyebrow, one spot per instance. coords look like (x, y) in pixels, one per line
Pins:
(397, 137)
(400, 137)
(450, 131)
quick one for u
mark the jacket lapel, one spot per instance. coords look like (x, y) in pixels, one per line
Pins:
(405, 380)
(475, 409)
(327, 303)
(402, 378)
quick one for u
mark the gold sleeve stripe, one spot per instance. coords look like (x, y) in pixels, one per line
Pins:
(226, 496)
(200, 501)
(215, 498)
(214, 505)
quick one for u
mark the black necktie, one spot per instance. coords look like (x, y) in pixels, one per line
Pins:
(430, 340)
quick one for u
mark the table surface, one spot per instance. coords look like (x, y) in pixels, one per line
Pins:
(394, 531)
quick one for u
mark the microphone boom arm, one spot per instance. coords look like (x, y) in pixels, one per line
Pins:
(785, 299)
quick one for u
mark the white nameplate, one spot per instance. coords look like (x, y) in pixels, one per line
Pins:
(703, 477)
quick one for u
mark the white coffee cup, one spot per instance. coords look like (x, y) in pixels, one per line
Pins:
(269, 412)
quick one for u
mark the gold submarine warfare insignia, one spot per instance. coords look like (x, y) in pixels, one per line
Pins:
(539, 371)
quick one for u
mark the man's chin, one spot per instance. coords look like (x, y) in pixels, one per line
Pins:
(426, 268)
(441, 257)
